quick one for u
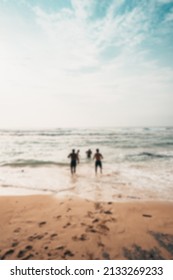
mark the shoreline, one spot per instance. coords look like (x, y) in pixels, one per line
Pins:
(46, 227)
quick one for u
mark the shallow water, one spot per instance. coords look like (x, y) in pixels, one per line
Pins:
(138, 163)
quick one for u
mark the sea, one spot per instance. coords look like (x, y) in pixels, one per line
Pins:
(137, 163)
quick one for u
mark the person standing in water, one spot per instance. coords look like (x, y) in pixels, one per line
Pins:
(98, 160)
(78, 156)
(74, 158)
(89, 153)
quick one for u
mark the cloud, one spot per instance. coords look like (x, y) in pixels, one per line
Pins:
(103, 58)
(84, 39)
(165, 1)
(81, 41)
(169, 16)
(82, 9)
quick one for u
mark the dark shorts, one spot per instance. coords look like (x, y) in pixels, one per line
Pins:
(73, 163)
(98, 163)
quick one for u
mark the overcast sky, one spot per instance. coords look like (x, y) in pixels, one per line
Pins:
(72, 63)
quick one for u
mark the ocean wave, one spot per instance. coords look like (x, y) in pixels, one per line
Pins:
(148, 155)
(164, 144)
(33, 163)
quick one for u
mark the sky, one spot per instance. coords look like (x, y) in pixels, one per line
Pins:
(89, 63)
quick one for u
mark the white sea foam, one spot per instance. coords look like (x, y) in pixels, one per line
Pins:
(137, 164)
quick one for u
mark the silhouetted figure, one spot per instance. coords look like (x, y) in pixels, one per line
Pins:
(73, 163)
(89, 153)
(78, 157)
(98, 163)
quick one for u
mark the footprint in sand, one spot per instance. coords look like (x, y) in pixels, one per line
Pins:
(68, 253)
(35, 236)
(22, 253)
(90, 214)
(58, 217)
(17, 229)
(30, 256)
(100, 244)
(42, 224)
(60, 247)
(83, 237)
(14, 244)
(91, 229)
(106, 256)
(9, 252)
(113, 220)
(103, 228)
(96, 220)
(97, 205)
(67, 225)
(53, 235)
(147, 215)
(108, 212)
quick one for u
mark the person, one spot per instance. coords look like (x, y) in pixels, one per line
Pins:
(73, 163)
(78, 151)
(98, 157)
(89, 153)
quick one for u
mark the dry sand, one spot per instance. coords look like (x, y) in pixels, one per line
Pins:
(44, 227)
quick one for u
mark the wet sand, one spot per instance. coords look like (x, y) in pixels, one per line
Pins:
(44, 227)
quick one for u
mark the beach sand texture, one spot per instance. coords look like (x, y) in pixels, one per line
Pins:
(45, 227)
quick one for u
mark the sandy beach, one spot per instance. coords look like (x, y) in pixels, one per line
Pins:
(45, 227)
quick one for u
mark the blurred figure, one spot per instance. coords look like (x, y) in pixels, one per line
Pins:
(98, 163)
(74, 158)
(78, 157)
(89, 153)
